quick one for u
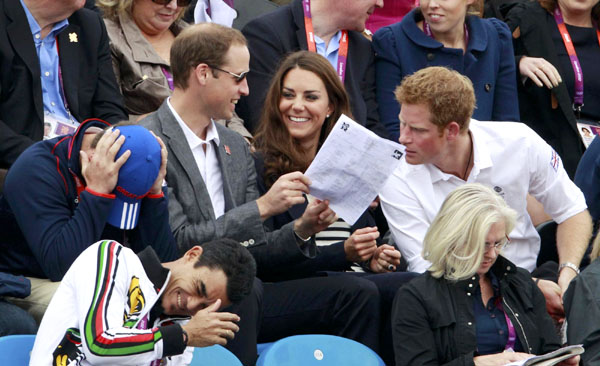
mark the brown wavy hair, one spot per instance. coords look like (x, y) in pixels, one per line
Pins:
(283, 154)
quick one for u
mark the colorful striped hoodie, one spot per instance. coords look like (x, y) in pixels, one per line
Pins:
(102, 313)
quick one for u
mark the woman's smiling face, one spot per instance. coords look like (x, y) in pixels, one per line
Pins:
(304, 105)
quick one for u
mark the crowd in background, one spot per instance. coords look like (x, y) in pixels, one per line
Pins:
(165, 124)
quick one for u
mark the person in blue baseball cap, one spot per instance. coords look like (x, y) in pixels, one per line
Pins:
(137, 175)
(66, 193)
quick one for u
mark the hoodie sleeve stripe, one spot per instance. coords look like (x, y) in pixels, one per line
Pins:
(99, 338)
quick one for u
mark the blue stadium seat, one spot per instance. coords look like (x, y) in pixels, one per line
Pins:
(262, 347)
(318, 350)
(214, 356)
(16, 349)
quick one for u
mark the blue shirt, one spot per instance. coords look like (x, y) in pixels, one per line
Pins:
(47, 52)
(490, 323)
(331, 51)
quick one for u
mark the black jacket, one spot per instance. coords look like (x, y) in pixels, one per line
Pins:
(582, 308)
(547, 112)
(433, 321)
(89, 82)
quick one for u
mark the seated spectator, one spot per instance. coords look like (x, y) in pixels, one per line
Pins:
(151, 313)
(13, 319)
(587, 178)
(450, 35)
(65, 193)
(141, 33)
(446, 149)
(336, 27)
(212, 194)
(55, 68)
(304, 101)
(472, 306)
(583, 311)
(557, 50)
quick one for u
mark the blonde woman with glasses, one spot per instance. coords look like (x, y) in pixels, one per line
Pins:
(472, 306)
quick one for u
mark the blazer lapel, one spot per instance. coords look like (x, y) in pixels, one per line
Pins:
(223, 155)
(298, 14)
(22, 41)
(69, 56)
(179, 147)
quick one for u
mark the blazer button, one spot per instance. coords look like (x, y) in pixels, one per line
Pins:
(251, 241)
(488, 87)
(470, 285)
(469, 323)
(244, 243)
(468, 294)
(430, 56)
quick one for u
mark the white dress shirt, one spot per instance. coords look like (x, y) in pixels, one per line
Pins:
(205, 156)
(509, 157)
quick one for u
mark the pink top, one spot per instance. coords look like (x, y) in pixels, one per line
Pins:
(393, 11)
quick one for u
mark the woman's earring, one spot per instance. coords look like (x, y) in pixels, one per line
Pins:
(328, 115)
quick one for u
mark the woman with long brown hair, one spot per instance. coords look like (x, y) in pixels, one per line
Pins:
(305, 99)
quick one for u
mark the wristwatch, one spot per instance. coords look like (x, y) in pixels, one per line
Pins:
(570, 265)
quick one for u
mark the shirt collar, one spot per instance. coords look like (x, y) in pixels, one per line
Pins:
(153, 268)
(481, 155)
(334, 43)
(35, 27)
(192, 139)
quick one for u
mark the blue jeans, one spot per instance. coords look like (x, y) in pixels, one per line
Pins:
(14, 320)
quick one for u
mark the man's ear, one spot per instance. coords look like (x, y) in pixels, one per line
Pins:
(193, 253)
(201, 73)
(453, 130)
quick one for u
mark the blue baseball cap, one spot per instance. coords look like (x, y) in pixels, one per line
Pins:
(136, 176)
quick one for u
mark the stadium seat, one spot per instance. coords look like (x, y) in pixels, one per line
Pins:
(214, 356)
(318, 350)
(16, 349)
(262, 347)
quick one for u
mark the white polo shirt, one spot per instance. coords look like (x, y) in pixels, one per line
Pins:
(509, 157)
(206, 161)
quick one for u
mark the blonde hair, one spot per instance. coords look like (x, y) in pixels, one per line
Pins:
(455, 241)
(111, 9)
(448, 95)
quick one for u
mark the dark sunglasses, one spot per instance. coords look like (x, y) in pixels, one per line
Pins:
(180, 3)
(238, 78)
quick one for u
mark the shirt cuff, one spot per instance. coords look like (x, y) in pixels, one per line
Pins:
(153, 196)
(172, 340)
(110, 195)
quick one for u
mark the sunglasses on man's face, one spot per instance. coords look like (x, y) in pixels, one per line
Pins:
(238, 77)
(180, 3)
